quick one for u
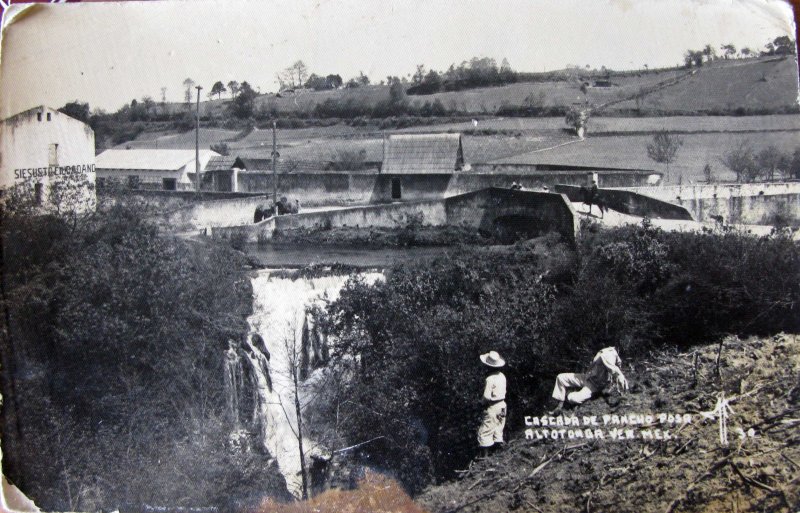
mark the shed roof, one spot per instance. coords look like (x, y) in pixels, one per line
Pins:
(171, 160)
(224, 163)
(422, 154)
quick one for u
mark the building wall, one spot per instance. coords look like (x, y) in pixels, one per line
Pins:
(756, 203)
(26, 157)
(216, 213)
(332, 188)
(148, 178)
(532, 176)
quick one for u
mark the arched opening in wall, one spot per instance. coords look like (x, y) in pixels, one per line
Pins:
(511, 228)
(397, 189)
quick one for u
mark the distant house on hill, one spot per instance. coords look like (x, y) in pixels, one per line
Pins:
(168, 170)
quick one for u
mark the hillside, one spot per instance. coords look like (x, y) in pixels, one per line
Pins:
(690, 472)
(611, 141)
(759, 84)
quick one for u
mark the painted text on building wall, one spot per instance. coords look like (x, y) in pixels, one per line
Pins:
(32, 173)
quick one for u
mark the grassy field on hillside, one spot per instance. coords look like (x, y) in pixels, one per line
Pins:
(631, 151)
(524, 140)
(765, 84)
(599, 125)
(178, 141)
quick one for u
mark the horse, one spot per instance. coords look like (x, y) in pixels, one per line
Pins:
(591, 197)
(263, 212)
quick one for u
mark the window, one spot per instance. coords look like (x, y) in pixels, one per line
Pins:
(133, 181)
(168, 184)
(53, 154)
(48, 116)
(397, 191)
(38, 191)
(38, 116)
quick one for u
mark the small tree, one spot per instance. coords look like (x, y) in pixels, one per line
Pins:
(294, 361)
(188, 85)
(218, 88)
(299, 73)
(709, 53)
(233, 87)
(794, 164)
(708, 173)
(729, 50)
(244, 102)
(742, 161)
(221, 148)
(770, 160)
(77, 110)
(664, 148)
(577, 118)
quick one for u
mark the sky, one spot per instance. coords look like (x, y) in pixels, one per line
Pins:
(109, 53)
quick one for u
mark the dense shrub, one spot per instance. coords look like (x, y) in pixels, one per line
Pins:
(418, 337)
(118, 336)
(546, 308)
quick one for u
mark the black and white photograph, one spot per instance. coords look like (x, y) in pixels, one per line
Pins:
(419, 256)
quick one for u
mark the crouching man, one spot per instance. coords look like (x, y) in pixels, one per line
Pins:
(604, 370)
(494, 399)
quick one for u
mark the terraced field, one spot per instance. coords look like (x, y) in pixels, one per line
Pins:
(631, 151)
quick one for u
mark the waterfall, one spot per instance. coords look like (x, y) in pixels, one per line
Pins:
(284, 338)
(233, 382)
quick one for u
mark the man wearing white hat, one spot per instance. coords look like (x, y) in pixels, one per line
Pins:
(604, 369)
(494, 397)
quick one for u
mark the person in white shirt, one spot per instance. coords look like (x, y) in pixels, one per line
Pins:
(494, 398)
(605, 368)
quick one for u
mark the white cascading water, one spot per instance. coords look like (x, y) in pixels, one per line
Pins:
(280, 308)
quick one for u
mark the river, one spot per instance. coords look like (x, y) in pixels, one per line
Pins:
(294, 256)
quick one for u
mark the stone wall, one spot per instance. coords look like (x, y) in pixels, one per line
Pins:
(736, 203)
(632, 203)
(395, 215)
(505, 212)
(492, 210)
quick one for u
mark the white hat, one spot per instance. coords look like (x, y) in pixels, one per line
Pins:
(492, 359)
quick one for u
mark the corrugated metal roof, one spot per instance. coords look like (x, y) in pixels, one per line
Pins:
(170, 160)
(422, 154)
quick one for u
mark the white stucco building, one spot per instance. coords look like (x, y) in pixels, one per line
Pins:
(169, 170)
(42, 147)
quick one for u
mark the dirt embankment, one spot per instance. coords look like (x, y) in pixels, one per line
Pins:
(691, 471)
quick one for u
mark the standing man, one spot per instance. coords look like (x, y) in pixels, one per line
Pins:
(494, 399)
(605, 366)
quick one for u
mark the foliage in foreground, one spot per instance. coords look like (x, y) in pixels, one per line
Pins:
(412, 343)
(116, 343)
(375, 493)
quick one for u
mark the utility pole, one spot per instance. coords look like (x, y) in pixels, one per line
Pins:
(275, 156)
(197, 144)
